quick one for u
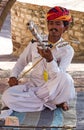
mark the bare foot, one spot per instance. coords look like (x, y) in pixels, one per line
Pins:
(64, 106)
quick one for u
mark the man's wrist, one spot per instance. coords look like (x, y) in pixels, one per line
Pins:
(49, 60)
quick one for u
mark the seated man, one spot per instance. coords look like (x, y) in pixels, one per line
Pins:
(49, 85)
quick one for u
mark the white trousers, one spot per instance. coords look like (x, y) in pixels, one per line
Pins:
(29, 98)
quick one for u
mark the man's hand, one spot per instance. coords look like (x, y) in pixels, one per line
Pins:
(46, 53)
(13, 81)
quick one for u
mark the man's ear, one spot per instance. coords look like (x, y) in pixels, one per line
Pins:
(66, 28)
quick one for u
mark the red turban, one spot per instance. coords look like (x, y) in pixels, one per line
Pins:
(59, 13)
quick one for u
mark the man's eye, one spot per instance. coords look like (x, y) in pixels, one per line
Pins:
(51, 23)
(58, 24)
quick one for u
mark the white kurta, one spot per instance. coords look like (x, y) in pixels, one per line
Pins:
(37, 94)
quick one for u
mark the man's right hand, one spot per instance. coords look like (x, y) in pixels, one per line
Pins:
(13, 81)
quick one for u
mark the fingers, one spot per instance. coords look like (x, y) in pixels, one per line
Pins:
(40, 51)
(43, 52)
(46, 53)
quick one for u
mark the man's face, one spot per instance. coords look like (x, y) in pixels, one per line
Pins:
(55, 28)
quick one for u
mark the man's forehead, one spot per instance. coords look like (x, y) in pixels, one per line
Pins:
(55, 21)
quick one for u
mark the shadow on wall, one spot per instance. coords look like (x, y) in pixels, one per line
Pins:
(6, 46)
(6, 28)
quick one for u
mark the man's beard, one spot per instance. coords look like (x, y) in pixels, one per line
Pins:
(54, 32)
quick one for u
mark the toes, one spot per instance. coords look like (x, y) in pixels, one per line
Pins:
(64, 106)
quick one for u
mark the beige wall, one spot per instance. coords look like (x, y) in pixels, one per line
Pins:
(21, 13)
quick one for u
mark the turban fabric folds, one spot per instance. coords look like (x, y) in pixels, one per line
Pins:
(59, 13)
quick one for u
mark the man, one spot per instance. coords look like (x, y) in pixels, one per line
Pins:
(49, 85)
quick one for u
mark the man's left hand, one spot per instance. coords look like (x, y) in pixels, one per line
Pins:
(46, 53)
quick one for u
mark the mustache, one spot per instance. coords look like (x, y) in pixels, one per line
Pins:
(53, 29)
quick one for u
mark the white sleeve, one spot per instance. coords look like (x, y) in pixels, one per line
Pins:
(67, 58)
(23, 60)
(53, 68)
